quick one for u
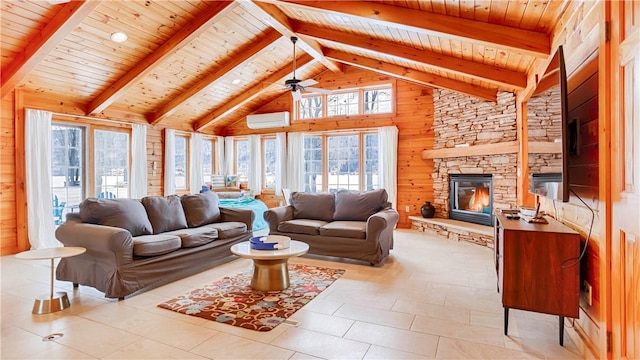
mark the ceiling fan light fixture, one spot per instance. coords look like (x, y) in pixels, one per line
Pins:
(119, 37)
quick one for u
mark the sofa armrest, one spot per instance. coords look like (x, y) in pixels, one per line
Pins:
(110, 244)
(239, 215)
(382, 223)
(276, 215)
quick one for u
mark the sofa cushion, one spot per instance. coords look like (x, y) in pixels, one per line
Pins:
(357, 206)
(165, 213)
(201, 209)
(195, 236)
(347, 229)
(314, 206)
(301, 226)
(127, 214)
(229, 229)
(152, 245)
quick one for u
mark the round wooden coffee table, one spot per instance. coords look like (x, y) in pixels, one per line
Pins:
(270, 271)
(52, 302)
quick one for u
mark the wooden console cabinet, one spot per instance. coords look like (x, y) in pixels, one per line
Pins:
(538, 268)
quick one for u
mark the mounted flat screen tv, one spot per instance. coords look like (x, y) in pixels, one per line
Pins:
(548, 133)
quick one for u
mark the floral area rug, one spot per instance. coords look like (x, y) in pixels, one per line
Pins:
(232, 301)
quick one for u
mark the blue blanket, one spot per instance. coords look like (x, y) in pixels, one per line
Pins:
(257, 206)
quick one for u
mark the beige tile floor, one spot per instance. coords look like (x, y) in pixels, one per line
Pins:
(433, 298)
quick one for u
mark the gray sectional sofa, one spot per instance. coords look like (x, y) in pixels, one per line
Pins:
(344, 224)
(132, 244)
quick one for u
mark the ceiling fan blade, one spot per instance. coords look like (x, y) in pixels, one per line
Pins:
(296, 95)
(308, 82)
(318, 90)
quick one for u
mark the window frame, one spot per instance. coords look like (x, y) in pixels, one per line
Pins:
(187, 170)
(92, 135)
(391, 85)
(263, 155)
(361, 154)
(237, 140)
(214, 160)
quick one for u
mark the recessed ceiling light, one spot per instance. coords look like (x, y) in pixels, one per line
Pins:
(236, 81)
(119, 37)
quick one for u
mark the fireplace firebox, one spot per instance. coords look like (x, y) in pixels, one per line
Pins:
(471, 198)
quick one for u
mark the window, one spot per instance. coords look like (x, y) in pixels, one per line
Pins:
(371, 181)
(310, 107)
(67, 169)
(362, 101)
(269, 154)
(342, 104)
(313, 163)
(208, 158)
(341, 161)
(181, 162)
(111, 161)
(377, 100)
(242, 159)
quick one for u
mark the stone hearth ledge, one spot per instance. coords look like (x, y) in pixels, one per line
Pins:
(455, 230)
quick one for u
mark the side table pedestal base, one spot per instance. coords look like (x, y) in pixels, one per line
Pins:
(47, 304)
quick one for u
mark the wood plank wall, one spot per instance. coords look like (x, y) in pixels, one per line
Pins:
(8, 220)
(413, 117)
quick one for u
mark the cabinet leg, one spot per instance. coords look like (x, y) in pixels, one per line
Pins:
(506, 320)
(561, 335)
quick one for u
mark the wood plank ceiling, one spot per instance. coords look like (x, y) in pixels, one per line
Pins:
(203, 65)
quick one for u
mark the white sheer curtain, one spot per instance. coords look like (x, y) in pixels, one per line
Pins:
(138, 161)
(295, 162)
(228, 155)
(169, 162)
(281, 158)
(40, 225)
(255, 165)
(388, 161)
(220, 163)
(196, 175)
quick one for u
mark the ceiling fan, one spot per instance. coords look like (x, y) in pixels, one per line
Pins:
(296, 85)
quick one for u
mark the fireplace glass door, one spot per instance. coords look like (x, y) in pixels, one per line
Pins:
(471, 198)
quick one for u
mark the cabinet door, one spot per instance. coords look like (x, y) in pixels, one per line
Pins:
(541, 272)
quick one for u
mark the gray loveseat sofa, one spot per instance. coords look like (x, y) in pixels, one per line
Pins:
(132, 244)
(344, 224)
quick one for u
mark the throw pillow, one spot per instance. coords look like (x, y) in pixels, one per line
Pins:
(314, 206)
(127, 214)
(201, 209)
(165, 213)
(356, 206)
(229, 194)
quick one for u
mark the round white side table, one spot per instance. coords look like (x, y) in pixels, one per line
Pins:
(53, 302)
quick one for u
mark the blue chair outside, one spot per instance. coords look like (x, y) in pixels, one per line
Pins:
(106, 195)
(58, 209)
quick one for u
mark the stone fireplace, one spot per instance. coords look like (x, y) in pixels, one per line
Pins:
(471, 198)
(478, 138)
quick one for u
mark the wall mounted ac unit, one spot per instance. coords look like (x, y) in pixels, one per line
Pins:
(266, 121)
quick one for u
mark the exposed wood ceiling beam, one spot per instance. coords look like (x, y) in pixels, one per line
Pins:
(411, 74)
(277, 77)
(190, 31)
(515, 39)
(497, 76)
(45, 41)
(274, 17)
(246, 53)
